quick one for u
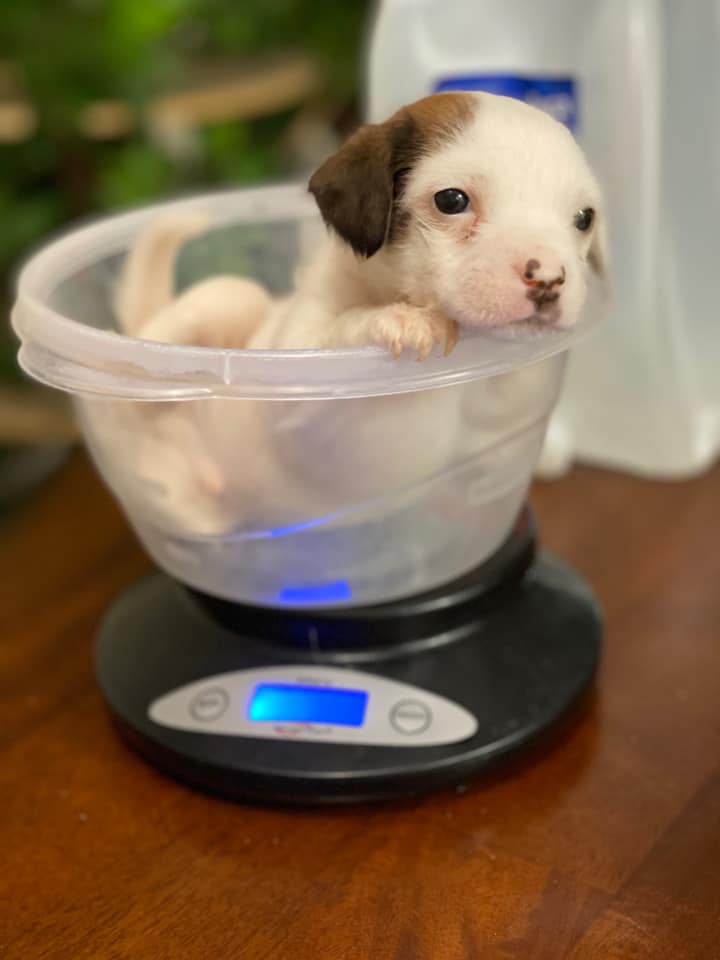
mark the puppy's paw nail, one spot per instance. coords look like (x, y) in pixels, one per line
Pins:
(451, 338)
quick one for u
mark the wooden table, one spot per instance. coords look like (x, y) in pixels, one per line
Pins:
(606, 844)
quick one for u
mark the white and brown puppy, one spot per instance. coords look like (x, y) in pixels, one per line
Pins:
(463, 211)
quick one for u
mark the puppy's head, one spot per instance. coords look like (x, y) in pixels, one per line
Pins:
(486, 205)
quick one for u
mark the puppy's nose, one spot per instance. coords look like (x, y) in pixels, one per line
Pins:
(543, 283)
(545, 276)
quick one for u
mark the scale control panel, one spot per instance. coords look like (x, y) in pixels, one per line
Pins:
(327, 704)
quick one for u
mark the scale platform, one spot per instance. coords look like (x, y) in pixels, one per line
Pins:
(350, 704)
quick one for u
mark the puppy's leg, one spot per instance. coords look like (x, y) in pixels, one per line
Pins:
(219, 312)
(147, 279)
(185, 466)
(187, 481)
(398, 326)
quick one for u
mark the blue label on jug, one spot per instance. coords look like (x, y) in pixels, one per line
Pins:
(555, 95)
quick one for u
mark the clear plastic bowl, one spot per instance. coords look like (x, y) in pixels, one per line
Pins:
(347, 477)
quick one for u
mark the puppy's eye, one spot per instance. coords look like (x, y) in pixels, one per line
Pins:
(451, 201)
(584, 219)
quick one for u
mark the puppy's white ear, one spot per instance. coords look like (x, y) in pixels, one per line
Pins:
(354, 189)
(598, 255)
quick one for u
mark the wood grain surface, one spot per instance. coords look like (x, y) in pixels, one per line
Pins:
(604, 845)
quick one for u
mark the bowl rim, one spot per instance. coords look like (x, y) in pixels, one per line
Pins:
(81, 359)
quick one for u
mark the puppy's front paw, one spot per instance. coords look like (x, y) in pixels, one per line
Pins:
(403, 326)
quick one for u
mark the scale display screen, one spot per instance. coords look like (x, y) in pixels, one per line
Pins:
(290, 703)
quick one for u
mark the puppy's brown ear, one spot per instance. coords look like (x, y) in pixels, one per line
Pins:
(598, 255)
(354, 188)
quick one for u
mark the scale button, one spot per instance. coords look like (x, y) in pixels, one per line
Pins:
(410, 716)
(209, 704)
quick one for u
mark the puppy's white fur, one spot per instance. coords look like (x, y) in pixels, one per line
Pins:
(394, 271)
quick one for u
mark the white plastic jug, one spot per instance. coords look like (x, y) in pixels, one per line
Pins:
(638, 81)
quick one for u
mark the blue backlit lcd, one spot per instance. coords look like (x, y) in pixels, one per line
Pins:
(290, 703)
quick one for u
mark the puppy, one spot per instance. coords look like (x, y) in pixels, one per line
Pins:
(463, 212)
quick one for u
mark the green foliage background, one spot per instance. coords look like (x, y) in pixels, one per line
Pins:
(68, 53)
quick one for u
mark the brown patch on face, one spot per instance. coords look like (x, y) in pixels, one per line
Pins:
(400, 220)
(358, 187)
(438, 118)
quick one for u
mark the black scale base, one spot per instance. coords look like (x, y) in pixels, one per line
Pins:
(515, 641)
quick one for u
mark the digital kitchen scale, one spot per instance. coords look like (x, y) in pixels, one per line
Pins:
(350, 704)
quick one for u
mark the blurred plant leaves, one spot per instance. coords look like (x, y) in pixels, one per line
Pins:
(130, 174)
(70, 53)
